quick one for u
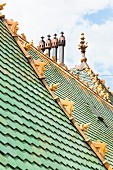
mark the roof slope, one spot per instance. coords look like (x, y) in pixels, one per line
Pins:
(34, 131)
(85, 77)
(88, 107)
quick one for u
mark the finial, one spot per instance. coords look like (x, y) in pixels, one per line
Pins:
(82, 46)
(42, 37)
(48, 43)
(48, 37)
(42, 44)
(55, 41)
(62, 33)
(62, 41)
(2, 6)
(55, 35)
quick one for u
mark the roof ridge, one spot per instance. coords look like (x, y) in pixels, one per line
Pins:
(31, 61)
(102, 81)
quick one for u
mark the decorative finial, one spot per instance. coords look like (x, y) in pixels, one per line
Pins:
(55, 35)
(2, 6)
(48, 37)
(62, 33)
(42, 44)
(82, 46)
(55, 46)
(62, 41)
(48, 45)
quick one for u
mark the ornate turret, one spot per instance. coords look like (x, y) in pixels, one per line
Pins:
(42, 44)
(61, 43)
(48, 45)
(82, 46)
(55, 46)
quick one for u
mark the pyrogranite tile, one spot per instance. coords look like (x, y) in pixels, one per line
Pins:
(85, 103)
(35, 133)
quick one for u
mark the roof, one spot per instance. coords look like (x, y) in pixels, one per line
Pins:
(35, 130)
(88, 107)
(86, 76)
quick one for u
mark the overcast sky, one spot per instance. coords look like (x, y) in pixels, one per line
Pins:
(93, 17)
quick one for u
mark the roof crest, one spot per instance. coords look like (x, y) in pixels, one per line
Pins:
(99, 83)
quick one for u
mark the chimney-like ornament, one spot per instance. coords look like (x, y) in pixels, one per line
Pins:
(48, 45)
(42, 44)
(55, 46)
(82, 46)
(61, 43)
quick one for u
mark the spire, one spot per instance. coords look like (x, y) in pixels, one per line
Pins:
(42, 44)
(55, 46)
(62, 40)
(55, 41)
(48, 44)
(82, 46)
(61, 43)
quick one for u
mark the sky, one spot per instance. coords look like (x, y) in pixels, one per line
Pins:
(94, 18)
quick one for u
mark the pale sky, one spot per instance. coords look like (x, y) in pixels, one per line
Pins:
(93, 17)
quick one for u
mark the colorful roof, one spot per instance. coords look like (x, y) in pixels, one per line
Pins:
(88, 107)
(35, 131)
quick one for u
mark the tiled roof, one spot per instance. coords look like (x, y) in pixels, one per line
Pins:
(34, 131)
(87, 108)
(85, 77)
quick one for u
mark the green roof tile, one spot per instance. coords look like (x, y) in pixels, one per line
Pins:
(35, 132)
